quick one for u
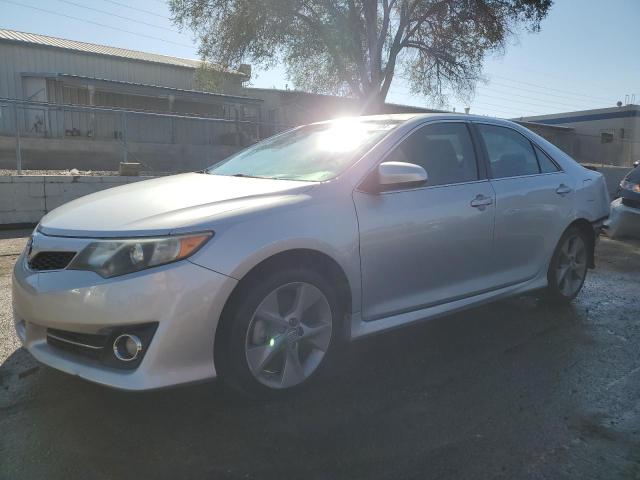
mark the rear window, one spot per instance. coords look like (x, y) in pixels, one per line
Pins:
(546, 164)
(510, 154)
(634, 175)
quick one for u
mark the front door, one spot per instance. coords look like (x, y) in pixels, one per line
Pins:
(428, 245)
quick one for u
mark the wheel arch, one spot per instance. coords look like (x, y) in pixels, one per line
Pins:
(300, 257)
(586, 227)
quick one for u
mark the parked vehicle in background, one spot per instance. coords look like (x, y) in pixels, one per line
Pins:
(255, 269)
(625, 210)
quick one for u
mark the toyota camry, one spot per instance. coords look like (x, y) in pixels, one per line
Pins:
(255, 269)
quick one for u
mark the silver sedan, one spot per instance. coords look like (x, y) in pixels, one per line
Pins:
(256, 268)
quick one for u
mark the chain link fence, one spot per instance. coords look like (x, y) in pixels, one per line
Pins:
(47, 136)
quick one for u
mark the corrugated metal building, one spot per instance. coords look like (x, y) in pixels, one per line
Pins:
(47, 69)
(47, 72)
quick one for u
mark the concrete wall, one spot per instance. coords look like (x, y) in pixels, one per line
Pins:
(26, 199)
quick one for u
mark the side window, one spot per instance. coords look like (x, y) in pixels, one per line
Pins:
(510, 154)
(546, 164)
(444, 150)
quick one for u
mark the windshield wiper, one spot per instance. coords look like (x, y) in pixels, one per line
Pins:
(245, 176)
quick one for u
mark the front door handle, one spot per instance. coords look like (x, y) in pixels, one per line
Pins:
(481, 202)
(563, 190)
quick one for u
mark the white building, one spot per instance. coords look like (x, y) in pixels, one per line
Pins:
(609, 136)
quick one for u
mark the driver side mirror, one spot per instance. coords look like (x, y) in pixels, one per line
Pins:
(401, 174)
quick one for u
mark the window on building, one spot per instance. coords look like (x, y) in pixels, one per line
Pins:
(606, 137)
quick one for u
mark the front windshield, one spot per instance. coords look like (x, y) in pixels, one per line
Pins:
(311, 153)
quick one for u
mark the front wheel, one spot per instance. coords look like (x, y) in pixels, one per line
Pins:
(279, 332)
(568, 267)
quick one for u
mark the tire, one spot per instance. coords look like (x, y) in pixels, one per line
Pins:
(568, 266)
(274, 319)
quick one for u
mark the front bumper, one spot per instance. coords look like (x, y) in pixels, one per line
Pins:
(183, 299)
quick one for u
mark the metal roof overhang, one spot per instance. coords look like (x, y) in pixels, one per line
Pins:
(526, 123)
(119, 86)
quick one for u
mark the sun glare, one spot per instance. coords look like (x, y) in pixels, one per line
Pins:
(343, 136)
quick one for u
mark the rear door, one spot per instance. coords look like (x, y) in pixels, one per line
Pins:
(432, 244)
(533, 202)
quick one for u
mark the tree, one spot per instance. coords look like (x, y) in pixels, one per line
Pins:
(356, 47)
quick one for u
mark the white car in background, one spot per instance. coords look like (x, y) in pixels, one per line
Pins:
(254, 269)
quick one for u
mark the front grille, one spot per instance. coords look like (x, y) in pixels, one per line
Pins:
(51, 261)
(85, 344)
(631, 203)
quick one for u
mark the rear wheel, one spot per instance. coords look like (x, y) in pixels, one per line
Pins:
(568, 267)
(278, 332)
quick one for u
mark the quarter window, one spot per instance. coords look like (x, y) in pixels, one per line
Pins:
(510, 154)
(444, 150)
(546, 164)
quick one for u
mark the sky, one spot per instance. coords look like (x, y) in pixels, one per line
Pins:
(586, 55)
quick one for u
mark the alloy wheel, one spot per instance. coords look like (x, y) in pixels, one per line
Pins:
(572, 265)
(288, 335)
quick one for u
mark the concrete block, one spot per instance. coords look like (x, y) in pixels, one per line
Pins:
(130, 168)
(25, 203)
(28, 178)
(32, 216)
(52, 189)
(58, 179)
(7, 197)
(36, 189)
(28, 199)
(114, 179)
(138, 179)
(6, 179)
(87, 179)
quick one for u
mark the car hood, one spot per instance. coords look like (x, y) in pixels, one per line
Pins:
(166, 205)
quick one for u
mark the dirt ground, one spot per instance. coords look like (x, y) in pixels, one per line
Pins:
(517, 389)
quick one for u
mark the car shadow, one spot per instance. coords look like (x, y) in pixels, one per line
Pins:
(420, 395)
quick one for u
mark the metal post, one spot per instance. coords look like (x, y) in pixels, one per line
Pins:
(258, 120)
(124, 137)
(237, 127)
(18, 146)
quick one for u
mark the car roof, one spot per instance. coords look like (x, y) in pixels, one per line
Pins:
(419, 117)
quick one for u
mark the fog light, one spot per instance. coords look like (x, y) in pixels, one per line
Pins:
(127, 347)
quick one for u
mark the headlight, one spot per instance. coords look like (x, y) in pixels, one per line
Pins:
(110, 258)
(634, 187)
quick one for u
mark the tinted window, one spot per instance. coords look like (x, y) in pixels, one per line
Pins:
(510, 153)
(546, 164)
(444, 150)
(634, 175)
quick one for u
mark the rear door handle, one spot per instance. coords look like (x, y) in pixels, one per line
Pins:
(563, 189)
(481, 201)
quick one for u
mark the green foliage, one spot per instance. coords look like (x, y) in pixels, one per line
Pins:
(209, 79)
(355, 47)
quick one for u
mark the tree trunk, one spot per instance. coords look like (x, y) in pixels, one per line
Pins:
(373, 102)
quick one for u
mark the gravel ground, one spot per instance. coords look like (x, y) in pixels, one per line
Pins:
(516, 389)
